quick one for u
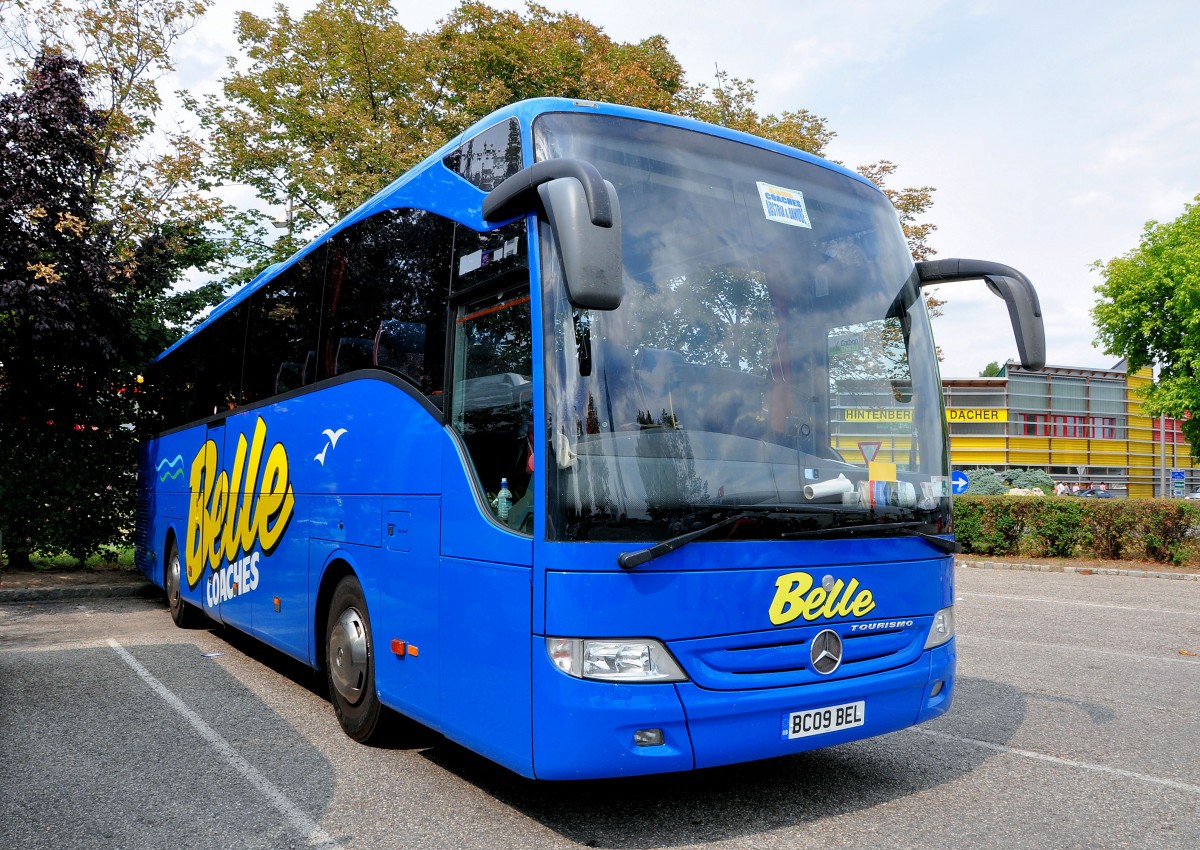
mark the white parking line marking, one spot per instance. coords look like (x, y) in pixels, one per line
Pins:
(1089, 649)
(301, 822)
(1080, 604)
(1082, 765)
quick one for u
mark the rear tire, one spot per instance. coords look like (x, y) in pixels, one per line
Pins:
(350, 665)
(185, 615)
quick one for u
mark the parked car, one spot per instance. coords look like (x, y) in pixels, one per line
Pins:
(1194, 495)
(1097, 493)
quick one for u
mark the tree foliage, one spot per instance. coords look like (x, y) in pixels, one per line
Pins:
(57, 309)
(78, 319)
(992, 370)
(323, 110)
(125, 48)
(1148, 312)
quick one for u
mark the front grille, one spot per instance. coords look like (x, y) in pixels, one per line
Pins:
(781, 658)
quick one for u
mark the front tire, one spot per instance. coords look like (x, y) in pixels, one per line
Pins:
(350, 664)
(185, 616)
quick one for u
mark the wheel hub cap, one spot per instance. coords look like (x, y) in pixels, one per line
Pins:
(348, 656)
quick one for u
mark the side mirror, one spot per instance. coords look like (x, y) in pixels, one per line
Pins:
(1024, 309)
(591, 255)
(585, 215)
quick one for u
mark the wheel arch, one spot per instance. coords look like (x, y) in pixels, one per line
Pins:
(335, 569)
(171, 536)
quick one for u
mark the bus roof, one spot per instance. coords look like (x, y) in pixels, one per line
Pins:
(430, 185)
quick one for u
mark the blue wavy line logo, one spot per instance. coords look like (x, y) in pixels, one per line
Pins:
(170, 464)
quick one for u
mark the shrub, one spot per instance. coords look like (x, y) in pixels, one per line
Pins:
(1159, 530)
(985, 482)
(993, 525)
(1056, 529)
(1030, 478)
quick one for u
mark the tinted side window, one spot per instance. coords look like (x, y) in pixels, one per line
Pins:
(219, 368)
(493, 397)
(388, 282)
(171, 386)
(489, 157)
(281, 349)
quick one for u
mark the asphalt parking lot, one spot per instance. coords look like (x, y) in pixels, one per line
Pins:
(1076, 724)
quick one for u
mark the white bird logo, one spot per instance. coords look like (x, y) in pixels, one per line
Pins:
(333, 436)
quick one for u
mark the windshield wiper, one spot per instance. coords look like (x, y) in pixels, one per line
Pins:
(629, 560)
(906, 528)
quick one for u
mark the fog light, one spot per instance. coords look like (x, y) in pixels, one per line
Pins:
(648, 737)
(937, 689)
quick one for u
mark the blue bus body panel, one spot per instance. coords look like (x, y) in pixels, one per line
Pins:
(711, 605)
(714, 588)
(584, 729)
(486, 695)
(754, 725)
(166, 464)
(334, 454)
(403, 589)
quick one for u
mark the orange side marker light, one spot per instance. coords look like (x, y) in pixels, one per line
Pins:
(398, 647)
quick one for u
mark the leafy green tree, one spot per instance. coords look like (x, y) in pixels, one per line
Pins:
(78, 319)
(1028, 479)
(98, 226)
(56, 311)
(323, 110)
(992, 370)
(125, 48)
(1147, 312)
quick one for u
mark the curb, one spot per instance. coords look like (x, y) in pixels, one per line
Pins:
(90, 591)
(1084, 571)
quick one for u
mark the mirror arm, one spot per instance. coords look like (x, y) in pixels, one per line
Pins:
(511, 197)
(1024, 308)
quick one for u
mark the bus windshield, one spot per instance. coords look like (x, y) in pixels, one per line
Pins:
(771, 355)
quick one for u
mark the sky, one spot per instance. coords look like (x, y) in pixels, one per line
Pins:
(1051, 131)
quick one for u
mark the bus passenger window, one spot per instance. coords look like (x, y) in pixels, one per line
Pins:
(493, 399)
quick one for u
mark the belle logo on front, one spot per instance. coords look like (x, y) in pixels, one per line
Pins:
(796, 597)
(231, 513)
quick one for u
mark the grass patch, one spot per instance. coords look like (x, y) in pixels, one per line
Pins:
(110, 559)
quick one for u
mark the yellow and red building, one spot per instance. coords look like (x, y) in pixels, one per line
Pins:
(1083, 426)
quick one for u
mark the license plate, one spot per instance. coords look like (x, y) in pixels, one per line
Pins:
(818, 721)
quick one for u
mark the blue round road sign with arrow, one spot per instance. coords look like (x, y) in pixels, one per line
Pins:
(959, 482)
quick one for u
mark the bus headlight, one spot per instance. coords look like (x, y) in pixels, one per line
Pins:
(942, 629)
(615, 660)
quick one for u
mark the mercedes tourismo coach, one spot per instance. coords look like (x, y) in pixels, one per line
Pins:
(556, 445)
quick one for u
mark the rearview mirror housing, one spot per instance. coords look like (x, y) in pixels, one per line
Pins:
(591, 254)
(585, 215)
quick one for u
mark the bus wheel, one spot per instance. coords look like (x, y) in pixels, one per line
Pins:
(350, 663)
(184, 615)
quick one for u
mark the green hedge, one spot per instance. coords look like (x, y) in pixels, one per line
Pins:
(1159, 530)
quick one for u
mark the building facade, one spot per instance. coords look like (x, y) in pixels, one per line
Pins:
(1083, 426)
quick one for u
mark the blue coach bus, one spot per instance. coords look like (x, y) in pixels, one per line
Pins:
(603, 442)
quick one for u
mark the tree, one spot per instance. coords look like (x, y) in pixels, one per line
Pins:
(57, 312)
(992, 370)
(77, 322)
(910, 203)
(97, 229)
(1147, 312)
(326, 109)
